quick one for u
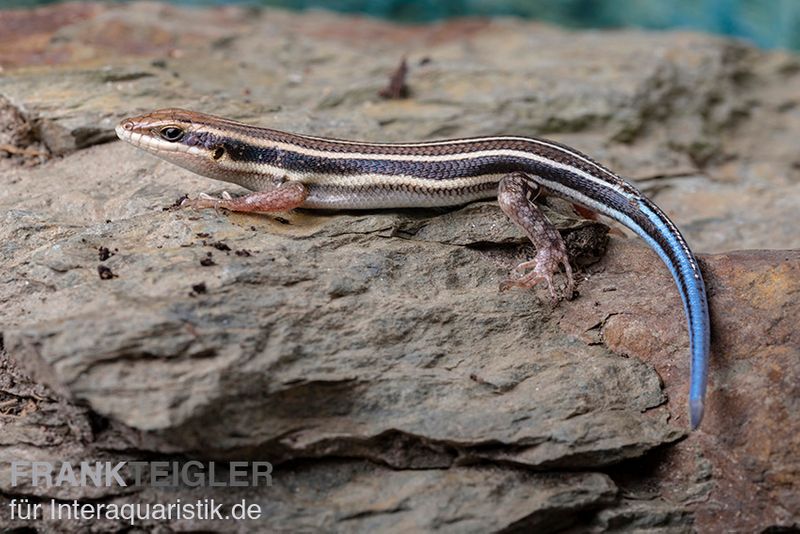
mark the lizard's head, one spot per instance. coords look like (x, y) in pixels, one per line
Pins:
(192, 140)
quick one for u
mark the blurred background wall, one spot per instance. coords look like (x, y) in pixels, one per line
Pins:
(767, 23)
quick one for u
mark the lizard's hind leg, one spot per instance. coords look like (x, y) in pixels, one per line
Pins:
(515, 193)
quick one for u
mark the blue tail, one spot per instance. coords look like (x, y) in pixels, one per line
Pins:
(650, 223)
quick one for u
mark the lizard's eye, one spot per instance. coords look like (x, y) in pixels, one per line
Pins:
(171, 134)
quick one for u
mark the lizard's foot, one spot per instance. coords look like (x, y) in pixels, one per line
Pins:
(205, 200)
(544, 266)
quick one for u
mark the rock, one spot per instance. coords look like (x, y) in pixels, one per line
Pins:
(326, 494)
(369, 355)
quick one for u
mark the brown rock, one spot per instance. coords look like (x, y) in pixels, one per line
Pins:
(733, 466)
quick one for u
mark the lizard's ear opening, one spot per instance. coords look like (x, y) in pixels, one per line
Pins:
(172, 134)
(218, 152)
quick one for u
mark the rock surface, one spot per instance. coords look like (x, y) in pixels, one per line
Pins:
(369, 356)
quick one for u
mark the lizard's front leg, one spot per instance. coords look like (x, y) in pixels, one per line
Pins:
(287, 196)
(514, 196)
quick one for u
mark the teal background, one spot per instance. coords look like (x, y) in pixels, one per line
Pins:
(767, 23)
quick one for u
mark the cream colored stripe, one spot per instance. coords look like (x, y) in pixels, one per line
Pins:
(320, 178)
(253, 140)
(358, 180)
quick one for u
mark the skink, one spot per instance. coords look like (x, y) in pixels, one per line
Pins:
(288, 171)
